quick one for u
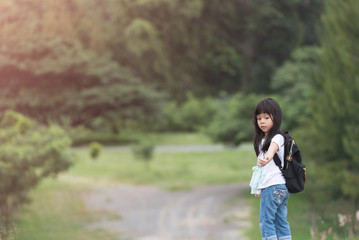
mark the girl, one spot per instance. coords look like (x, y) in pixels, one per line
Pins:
(267, 180)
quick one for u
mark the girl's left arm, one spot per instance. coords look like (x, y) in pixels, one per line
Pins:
(273, 148)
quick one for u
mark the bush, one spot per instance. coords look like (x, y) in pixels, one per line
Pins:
(29, 152)
(233, 122)
(95, 150)
(292, 81)
(143, 151)
(192, 115)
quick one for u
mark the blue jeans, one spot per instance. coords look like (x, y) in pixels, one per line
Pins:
(273, 213)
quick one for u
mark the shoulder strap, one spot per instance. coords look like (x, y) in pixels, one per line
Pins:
(276, 158)
(277, 161)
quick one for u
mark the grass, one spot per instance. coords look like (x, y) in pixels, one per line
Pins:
(82, 138)
(57, 212)
(168, 170)
(179, 139)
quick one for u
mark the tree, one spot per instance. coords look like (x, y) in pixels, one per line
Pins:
(292, 82)
(57, 72)
(212, 46)
(193, 115)
(29, 153)
(85, 87)
(143, 151)
(334, 135)
(72, 61)
(95, 149)
(233, 123)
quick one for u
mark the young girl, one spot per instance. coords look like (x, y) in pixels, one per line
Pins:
(267, 181)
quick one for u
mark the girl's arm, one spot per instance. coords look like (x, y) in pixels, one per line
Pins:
(273, 148)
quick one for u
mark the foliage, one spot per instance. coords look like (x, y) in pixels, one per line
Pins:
(28, 153)
(115, 58)
(51, 72)
(252, 39)
(337, 226)
(95, 150)
(333, 129)
(85, 137)
(75, 61)
(144, 151)
(292, 82)
(233, 122)
(194, 114)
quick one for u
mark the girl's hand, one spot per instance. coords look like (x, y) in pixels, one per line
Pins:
(262, 162)
(257, 195)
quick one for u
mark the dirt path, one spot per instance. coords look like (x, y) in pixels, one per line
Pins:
(149, 213)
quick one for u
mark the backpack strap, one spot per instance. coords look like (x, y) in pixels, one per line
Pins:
(276, 156)
(277, 161)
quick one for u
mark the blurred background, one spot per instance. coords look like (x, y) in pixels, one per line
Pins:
(88, 87)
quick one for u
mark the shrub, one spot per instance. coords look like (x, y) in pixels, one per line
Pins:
(233, 122)
(29, 152)
(292, 81)
(192, 115)
(95, 150)
(143, 151)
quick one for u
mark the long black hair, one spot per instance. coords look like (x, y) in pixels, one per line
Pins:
(271, 107)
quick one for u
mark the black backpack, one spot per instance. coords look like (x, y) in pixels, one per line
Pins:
(293, 171)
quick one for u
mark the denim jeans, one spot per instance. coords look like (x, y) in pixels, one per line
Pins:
(273, 213)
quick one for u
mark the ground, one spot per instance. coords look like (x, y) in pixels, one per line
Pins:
(150, 213)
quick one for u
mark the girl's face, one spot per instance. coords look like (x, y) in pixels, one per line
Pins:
(265, 122)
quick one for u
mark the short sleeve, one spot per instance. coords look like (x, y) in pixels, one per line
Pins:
(278, 139)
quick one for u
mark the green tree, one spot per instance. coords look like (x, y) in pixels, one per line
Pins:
(95, 149)
(292, 82)
(56, 72)
(73, 61)
(233, 123)
(143, 151)
(192, 115)
(210, 46)
(334, 135)
(29, 152)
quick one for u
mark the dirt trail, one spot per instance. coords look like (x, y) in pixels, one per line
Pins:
(216, 212)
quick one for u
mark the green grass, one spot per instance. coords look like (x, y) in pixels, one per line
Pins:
(82, 138)
(179, 139)
(57, 212)
(168, 170)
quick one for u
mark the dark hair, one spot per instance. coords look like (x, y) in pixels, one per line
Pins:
(271, 107)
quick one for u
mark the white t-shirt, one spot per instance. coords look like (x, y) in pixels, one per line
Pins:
(273, 175)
